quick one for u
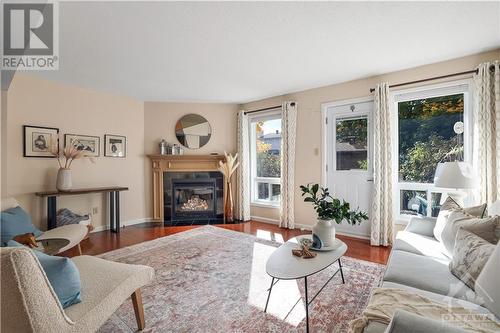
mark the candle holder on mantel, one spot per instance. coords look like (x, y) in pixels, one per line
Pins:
(227, 168)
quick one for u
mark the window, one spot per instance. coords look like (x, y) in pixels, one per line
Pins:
(431, 127)
(351, 135)
(265, 145)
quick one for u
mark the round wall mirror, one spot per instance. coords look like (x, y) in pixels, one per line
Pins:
(193, 131)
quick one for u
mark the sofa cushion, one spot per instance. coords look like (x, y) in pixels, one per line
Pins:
(418, 244)
(487, 287)
(15, 221)
(427, 273)
(450, 205)
(470, 254)
(62, 275)
(483, 227)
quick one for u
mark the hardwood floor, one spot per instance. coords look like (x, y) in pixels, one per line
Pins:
(104, 241)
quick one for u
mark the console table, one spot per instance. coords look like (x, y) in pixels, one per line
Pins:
(114, 203)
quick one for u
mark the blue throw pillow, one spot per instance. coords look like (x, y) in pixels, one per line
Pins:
(63, 275)
(15, 221)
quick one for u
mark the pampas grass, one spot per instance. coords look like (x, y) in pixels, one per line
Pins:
(69, 153)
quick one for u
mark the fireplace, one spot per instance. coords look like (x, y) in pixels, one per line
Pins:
(193, 198)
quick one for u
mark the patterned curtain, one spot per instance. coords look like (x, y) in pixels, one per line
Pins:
(288, 134)
(243, 171)
(487, 131)
(382, 209)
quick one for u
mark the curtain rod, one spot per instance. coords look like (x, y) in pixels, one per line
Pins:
(474, 71)
(264, 109)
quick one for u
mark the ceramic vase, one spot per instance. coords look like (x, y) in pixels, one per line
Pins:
(64, 181)
(228, 212)
(323, 233)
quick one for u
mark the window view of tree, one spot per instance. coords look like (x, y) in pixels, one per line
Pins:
(352, 143)
(427, 136)
(268, 159)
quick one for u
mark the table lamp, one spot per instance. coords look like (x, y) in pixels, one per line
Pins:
(455, 175)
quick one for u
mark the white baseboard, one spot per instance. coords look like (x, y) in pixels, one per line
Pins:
(305, 227)
(123, 224)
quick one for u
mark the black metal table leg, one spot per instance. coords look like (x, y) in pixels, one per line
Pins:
(117, 212)
(307, 306)
(341, 273)
(51, 212)
(269, 294)
(112, 220)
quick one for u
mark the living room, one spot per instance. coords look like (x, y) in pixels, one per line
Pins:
(250, 166)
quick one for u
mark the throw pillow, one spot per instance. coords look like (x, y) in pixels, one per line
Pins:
(15, 221)
(447, 207)
(470, 254)
(484, 228)
(62, 274)
(487, 283)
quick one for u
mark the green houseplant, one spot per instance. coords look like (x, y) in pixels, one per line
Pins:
(329, 209)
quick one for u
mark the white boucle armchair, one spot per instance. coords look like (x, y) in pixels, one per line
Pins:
(29, 304)
(74, 233)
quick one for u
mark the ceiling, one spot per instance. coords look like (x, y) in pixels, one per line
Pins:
(242, 51)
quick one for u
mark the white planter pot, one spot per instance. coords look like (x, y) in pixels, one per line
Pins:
(323, 233)
(64, 181)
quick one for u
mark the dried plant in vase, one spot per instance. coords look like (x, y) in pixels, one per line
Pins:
(65, 158)
(227, 168)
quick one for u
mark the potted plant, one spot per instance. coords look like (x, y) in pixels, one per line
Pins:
(227, 168)
(329, 210)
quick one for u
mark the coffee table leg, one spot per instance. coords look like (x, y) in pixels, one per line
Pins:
(341, 273)
(269, 294)
(307, 305)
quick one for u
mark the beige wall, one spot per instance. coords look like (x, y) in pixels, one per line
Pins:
(308, 164)
(32, 101)
(159, 123)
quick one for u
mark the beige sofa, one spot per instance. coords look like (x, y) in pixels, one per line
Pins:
(29, 304)
(416, 264)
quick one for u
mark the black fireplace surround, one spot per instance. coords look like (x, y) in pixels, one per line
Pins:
(193, 198)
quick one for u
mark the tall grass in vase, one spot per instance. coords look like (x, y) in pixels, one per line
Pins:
(227, 168)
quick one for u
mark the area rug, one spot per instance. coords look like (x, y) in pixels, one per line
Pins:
(214, 280)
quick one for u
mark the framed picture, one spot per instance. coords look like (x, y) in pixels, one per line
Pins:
(90, 144)
(37, 141)
(115, 145)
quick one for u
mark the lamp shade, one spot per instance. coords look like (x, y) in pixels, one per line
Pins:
(454, 175)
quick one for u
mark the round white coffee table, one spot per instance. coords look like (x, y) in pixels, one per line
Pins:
(283, 265)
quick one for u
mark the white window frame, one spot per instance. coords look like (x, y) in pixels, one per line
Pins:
(428, 91)
(254, 180)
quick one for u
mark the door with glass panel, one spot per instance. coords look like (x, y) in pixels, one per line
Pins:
(349, 150)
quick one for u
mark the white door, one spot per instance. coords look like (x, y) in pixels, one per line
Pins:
(348, 146)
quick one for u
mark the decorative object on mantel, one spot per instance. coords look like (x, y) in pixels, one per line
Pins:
(227, 168)
(70, 153)
(329, 210)
(193, 131)
(115, 145)
(164, 147)
(38, 140)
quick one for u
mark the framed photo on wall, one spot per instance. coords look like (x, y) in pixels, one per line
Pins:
(91, 144)
(37, 141)
(115, 145)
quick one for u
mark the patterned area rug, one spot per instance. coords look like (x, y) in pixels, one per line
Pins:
(214, 280)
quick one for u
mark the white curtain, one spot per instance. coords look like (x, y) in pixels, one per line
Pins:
(382, 209)
(288, 135)
(487, 131)
(243, 171)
